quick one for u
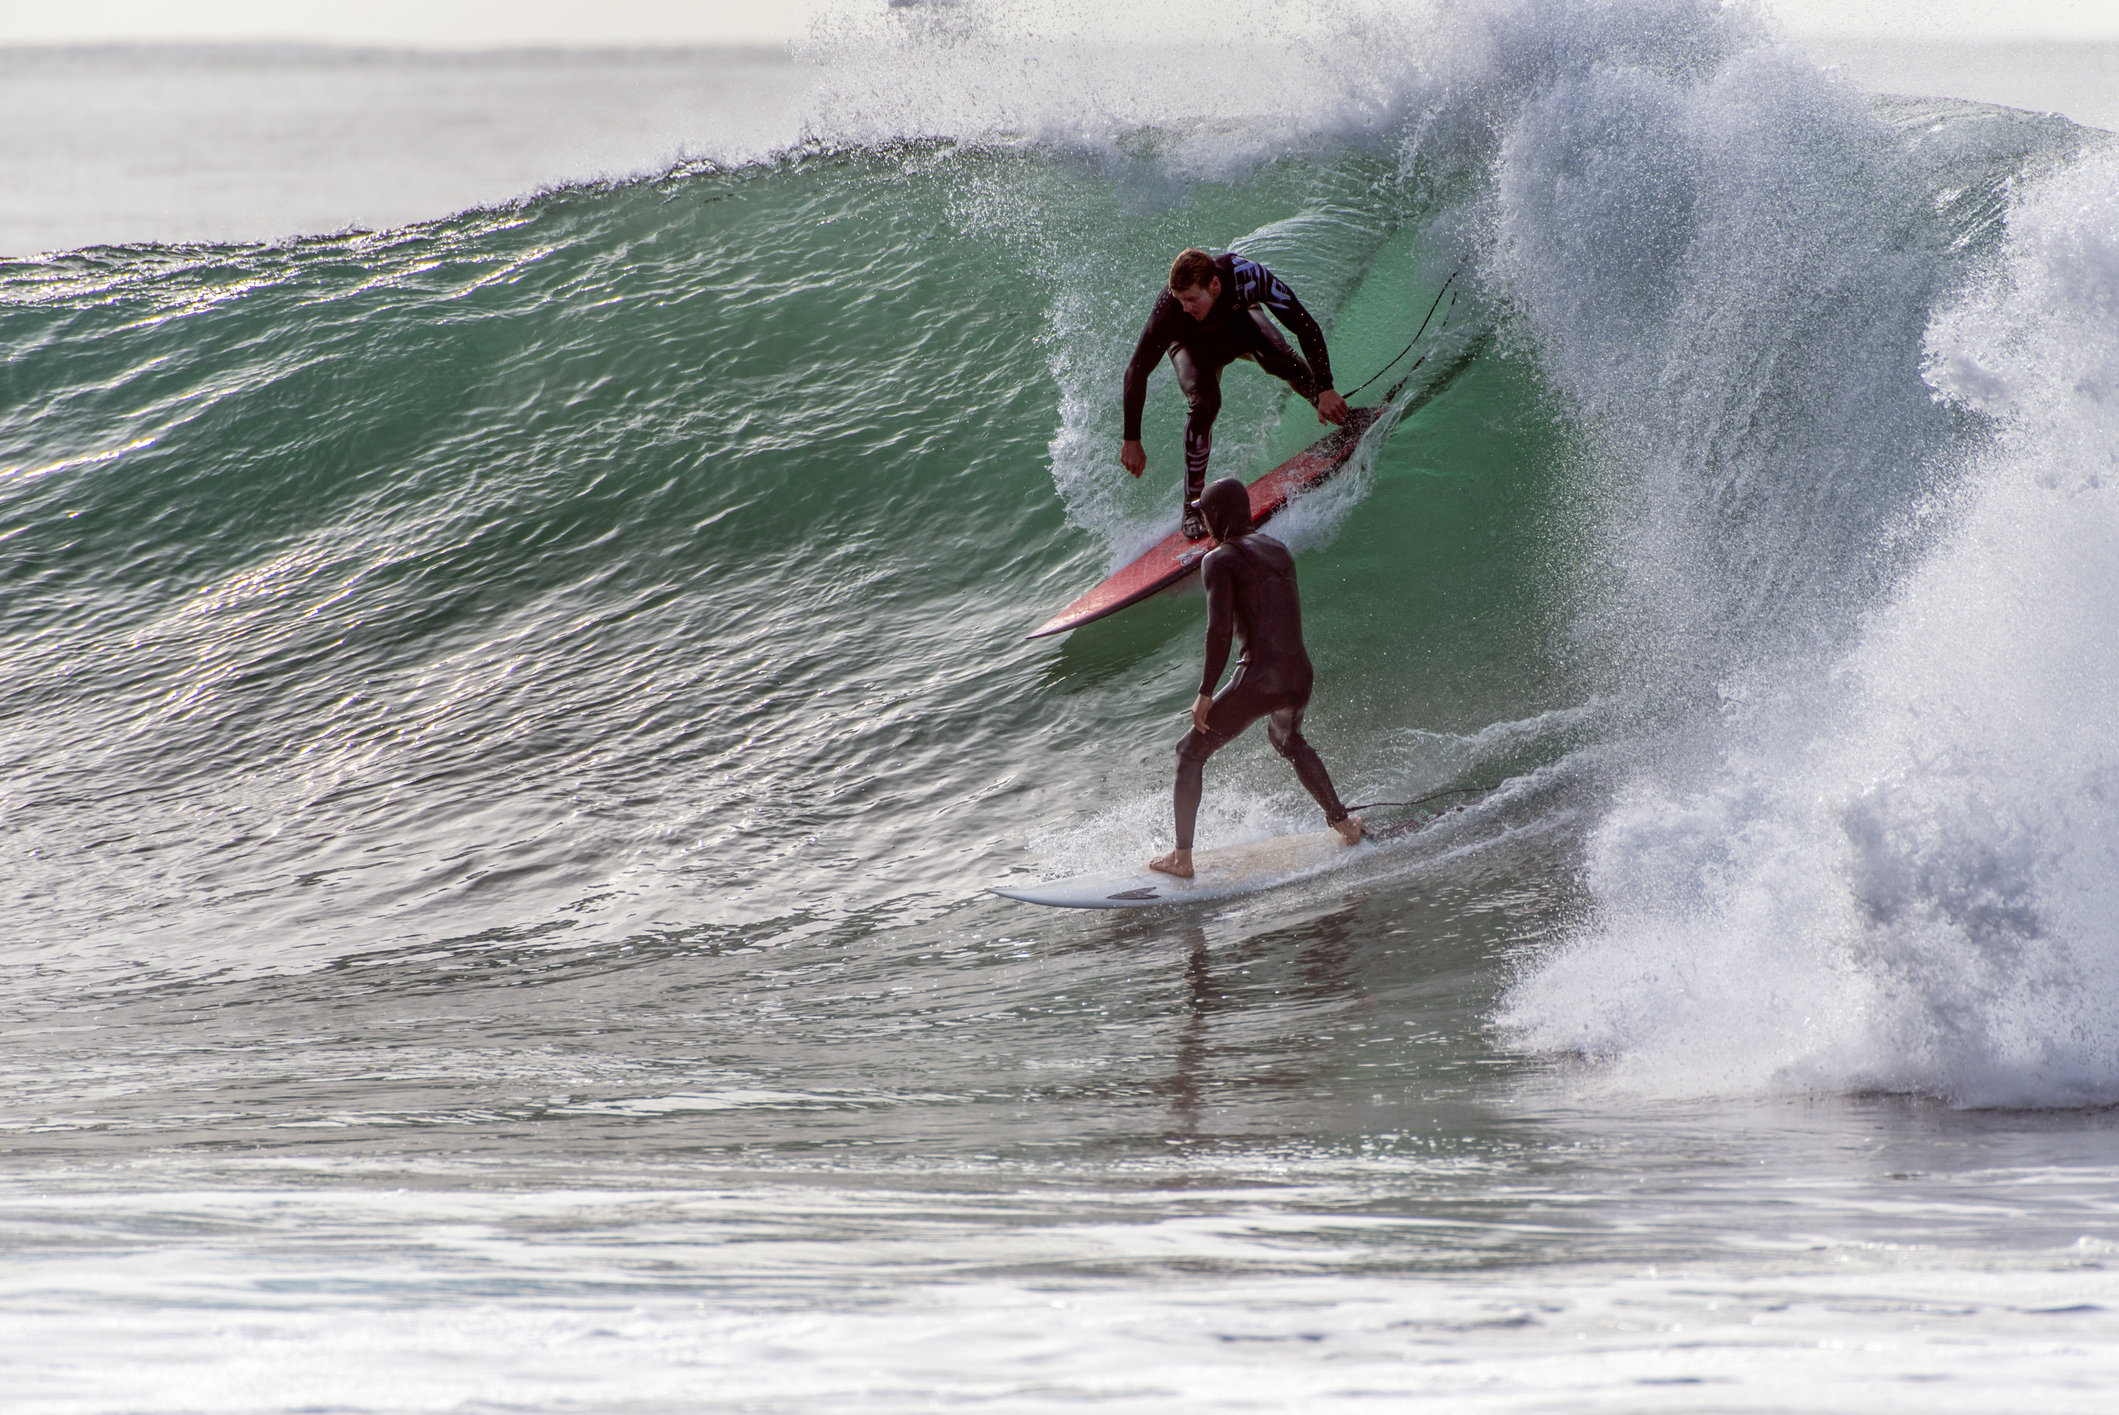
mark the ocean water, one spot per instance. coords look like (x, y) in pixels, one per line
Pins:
(115, 144)
(2078, 78)
(509, 720)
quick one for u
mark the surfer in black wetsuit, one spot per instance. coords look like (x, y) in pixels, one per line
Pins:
(1208, 318)
(1250, 581)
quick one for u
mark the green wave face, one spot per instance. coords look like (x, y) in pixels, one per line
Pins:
(663, 554)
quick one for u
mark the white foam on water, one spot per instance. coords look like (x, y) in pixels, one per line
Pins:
(1903, 871)
(1235, 1297)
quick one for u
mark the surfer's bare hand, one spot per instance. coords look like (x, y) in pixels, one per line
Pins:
(1200, 707)
(1133, 457)
(1331, 408)
(1177, 862)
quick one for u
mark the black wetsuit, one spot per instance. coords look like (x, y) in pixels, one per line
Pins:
(1250, 581)
(1201, 348)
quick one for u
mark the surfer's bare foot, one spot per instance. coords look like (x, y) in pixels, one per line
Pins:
(1350, 830)
(1177, 862)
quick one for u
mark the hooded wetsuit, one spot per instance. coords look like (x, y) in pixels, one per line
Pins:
(1201, 348)
(1250, 581)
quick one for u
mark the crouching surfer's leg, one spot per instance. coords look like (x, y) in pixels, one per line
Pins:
(1201, 385)
(1284, 730)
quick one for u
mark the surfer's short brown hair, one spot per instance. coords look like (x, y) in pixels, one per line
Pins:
(1192, 269)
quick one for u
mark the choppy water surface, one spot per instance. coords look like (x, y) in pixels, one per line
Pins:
(508, 723)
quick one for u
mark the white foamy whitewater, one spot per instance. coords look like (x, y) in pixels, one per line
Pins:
(1895, 867)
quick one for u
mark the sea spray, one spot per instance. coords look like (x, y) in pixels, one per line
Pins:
(1905, 875)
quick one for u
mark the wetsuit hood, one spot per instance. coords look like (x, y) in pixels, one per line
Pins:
(1226, 508)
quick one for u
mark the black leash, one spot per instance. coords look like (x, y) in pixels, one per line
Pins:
(1454, 791)
(1399, 386)
(1417, 333)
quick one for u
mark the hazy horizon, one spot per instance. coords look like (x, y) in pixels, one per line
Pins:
(629, 24)
(169, 142)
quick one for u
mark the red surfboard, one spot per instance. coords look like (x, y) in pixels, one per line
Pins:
(1174, 557)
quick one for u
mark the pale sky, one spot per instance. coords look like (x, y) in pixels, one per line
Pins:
(503, 23)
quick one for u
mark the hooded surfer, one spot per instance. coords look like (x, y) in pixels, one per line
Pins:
(1250, 580)
(1208, 318)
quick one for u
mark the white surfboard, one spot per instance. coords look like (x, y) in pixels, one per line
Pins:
(1218, 873)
